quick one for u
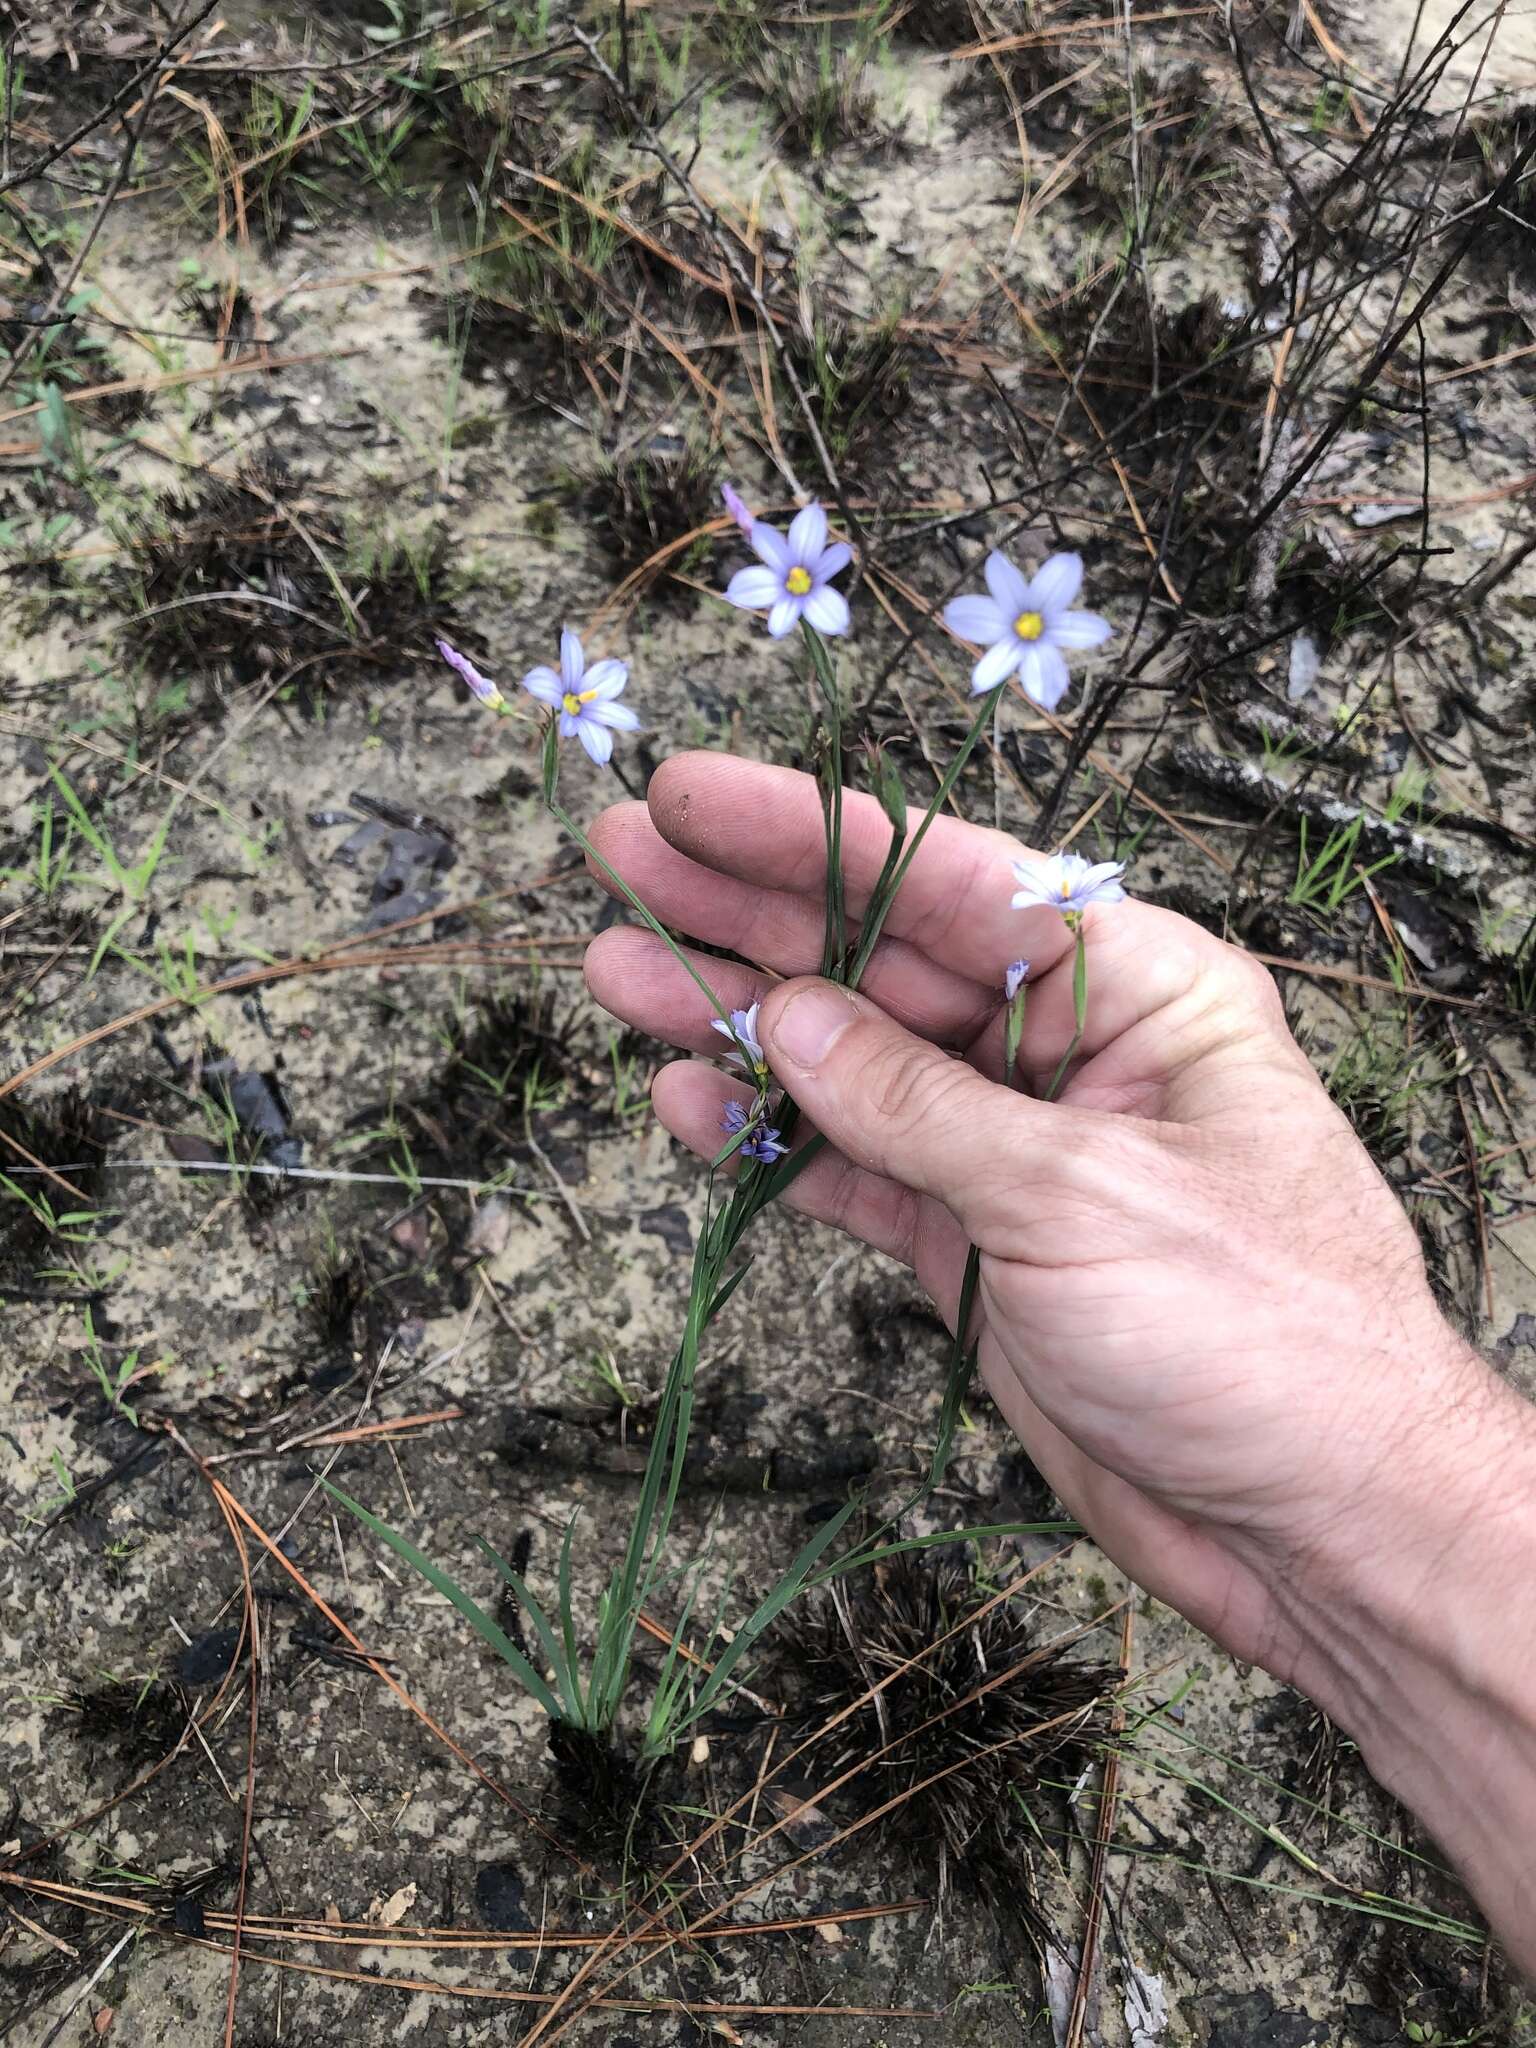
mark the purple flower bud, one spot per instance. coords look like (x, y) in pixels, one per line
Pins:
(737, 506)
(1015, 978)
(480, 686)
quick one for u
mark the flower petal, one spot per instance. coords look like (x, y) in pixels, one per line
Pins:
(1079, 629)
(1102, 882)
(573, 662)
(544, 684)
(1045, 675)
(1055, 584)
(605, 679)
(597, 740)
(808, 534)
(769, 545)
(570, 722)
(833, 561)
(1007, 585)
(977, 619)
(995, 666)
(785, 616)
(827, 611)
(619, 716)
(754, 589)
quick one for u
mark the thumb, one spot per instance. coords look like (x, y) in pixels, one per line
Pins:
(901, 1107)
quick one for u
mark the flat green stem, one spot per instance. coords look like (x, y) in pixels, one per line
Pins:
(880, 906)
(563, 817)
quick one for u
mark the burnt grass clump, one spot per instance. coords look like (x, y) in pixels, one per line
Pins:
(817, 93)
(70, 1133)
(1188, 156)
(948, 1713)
(139, 1721)
(243, 582)
(645, 496)
(336, 1295)
(859, 377)
(508, 1042)
(609, 1804)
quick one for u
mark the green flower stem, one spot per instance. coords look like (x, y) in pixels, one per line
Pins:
(563, 817)
(1079, 1008)
(834, 941)
(880, 905)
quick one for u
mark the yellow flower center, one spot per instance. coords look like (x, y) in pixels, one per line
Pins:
(1029, 625)
(572, 703)
(798, 581)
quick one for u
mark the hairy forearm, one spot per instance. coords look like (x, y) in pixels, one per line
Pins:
(1416, 1621)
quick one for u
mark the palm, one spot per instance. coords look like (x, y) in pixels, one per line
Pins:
(1089, 1289)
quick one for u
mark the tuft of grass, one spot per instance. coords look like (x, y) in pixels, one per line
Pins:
(651, 492)
(244, 581)
(1375, 1078)
(816, 88)
(69, 1132)
(859, 374)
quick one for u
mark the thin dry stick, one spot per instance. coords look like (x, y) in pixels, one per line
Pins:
(1103, 1835)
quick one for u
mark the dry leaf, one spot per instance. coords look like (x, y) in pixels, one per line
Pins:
(102, 2023)
(490, 1228)
(391, 1911)
(831, 1933)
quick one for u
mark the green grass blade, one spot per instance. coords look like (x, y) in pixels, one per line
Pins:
(557, 1658)
(475, 1615)
(767, 1610)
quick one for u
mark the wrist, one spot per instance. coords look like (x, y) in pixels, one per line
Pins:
(1413, 1624)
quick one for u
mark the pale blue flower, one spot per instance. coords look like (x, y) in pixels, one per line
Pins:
(746, 1048)
(793, 581)
(1027, 627)
(584, 697)
(738, 508)
(480, 686)
(763, 1142)
(1015, 978)
(1068, 883)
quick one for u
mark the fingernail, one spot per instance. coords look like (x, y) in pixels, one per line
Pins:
(810, 1024)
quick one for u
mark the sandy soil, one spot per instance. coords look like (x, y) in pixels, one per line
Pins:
(1227, 1924)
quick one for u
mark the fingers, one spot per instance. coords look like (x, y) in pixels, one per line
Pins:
(1012, 1171)
(781, 930)
(763, 826)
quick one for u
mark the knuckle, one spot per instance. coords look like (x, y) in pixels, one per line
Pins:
(913, 1084)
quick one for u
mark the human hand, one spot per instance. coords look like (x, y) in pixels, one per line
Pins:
(1201, 1307)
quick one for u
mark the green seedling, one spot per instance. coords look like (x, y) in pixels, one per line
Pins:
(131, 881)
(115, 1381)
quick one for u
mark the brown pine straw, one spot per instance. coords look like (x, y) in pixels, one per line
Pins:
(173, 380)
(306, 1927)
(230, 1506)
